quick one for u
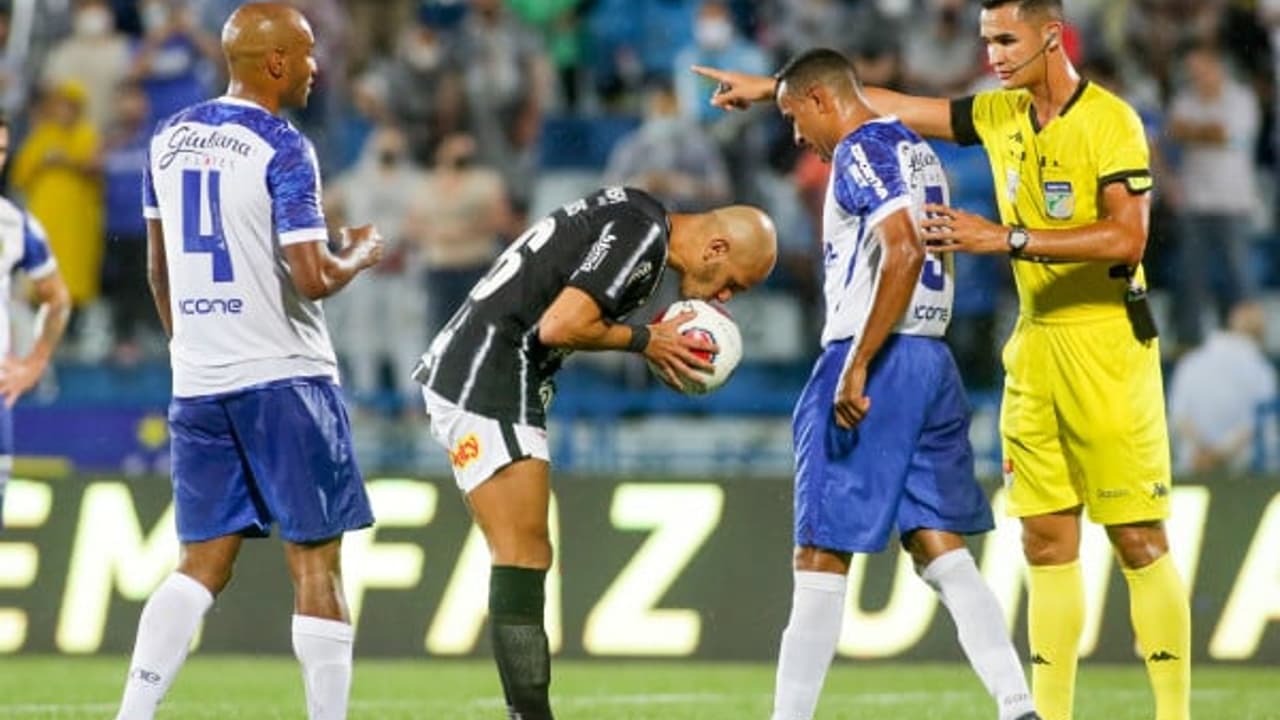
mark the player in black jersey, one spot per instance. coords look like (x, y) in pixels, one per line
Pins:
(565, 284)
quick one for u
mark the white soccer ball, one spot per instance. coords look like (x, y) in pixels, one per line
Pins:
(711, 322)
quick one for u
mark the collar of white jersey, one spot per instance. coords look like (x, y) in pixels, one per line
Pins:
(242, 102)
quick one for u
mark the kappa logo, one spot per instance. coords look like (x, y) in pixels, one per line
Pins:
(465, 451)
(642, 271)
(1162, 656)
(599, 250)
(1039, 659)
(1159, 490)
(147, 676)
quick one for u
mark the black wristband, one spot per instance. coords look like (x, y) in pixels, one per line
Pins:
(639, 338)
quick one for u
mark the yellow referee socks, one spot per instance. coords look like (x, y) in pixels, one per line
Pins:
(1055, 609)
(1161, 617)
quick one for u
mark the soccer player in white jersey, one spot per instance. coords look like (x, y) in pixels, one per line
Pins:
(238, 259)
(23, 247)
(882, 427)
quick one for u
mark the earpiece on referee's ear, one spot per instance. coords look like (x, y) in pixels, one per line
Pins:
(1052, 42)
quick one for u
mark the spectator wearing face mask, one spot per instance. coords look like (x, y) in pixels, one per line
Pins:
(377, 319)
(424, 88)
(717, 43)
(670, 157)
(95, 56)
(460, 212)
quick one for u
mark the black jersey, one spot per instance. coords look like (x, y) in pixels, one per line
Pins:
(611, 244)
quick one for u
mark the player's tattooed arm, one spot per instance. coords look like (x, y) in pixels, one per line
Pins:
(902, 256)
(575, 321)
(318, 273)
(158, 274)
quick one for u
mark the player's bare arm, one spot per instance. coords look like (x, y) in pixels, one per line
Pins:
(18, 375)
(900, 264)
(928, 116)
(1120, 236)
(158, 274)
(574, 321)
(318, 273)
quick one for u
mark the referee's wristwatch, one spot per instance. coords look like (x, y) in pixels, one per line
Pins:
(1017, 239)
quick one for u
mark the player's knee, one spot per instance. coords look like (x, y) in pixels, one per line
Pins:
(213, 577)
(530, 548)
(1138, 545)
(1047, 549)
(814, 559)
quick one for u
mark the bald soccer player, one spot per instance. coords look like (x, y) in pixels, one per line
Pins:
(566, 284)
(238, 258)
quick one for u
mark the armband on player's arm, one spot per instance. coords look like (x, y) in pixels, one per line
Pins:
(639, 338)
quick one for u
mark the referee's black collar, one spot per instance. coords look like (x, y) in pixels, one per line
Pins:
(1031, 109)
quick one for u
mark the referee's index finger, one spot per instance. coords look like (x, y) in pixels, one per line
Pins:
(710, 72)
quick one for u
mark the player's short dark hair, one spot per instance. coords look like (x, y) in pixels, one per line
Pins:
(1050, 8)
(819, 66)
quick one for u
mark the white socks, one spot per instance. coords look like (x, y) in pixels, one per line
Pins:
(324, 649)
(808, 643)
(980, 624)
(168, 622)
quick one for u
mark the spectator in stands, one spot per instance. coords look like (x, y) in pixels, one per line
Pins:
(803, 24)
(13, 85)
(57, 171)
(507, 82)
(95, 55)
(1215, 395)
(942, 55)
(559, 24)
(1216, 119)
(459, 214)
(717, 43)
(670, 157)
(173, 58)
(378, 318)
(124, 272)
(424, 87)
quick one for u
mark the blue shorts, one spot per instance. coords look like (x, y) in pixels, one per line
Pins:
(277, 452)
(907, 466)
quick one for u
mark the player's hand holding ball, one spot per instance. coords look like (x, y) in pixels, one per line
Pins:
(364, 245)
(694, 346)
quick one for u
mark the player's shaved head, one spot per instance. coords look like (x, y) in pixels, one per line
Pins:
(1030, 10)
(820, 66)
(268, 49)
(256, 29)
(753, 239)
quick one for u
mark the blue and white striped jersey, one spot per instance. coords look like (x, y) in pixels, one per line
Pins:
(877, 170)
(23, 246)
(232, 184)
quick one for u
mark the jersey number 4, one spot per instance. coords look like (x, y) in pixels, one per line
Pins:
(201, 199)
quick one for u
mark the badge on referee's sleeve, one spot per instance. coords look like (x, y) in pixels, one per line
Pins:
(1059, 200)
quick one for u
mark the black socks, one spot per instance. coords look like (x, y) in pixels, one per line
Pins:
(517, 599)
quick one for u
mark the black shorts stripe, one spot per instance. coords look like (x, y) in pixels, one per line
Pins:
(511, 441)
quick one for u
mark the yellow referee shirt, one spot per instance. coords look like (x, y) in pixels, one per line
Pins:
(1052, 177)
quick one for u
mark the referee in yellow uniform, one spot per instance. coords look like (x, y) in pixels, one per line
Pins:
(1082, 419)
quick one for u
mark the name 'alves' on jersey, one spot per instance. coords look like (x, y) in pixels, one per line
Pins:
(233, 184)
(23, 246)
(612, 245)
(877, 170)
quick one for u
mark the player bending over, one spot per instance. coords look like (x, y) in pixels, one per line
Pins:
(564, 285)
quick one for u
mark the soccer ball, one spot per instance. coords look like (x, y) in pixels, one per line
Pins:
(711, 322)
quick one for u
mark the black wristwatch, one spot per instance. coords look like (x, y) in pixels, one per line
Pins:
(1018, 238)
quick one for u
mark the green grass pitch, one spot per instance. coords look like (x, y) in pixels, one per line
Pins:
(267, 688)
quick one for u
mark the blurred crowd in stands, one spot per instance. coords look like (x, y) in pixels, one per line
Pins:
(449, 123)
